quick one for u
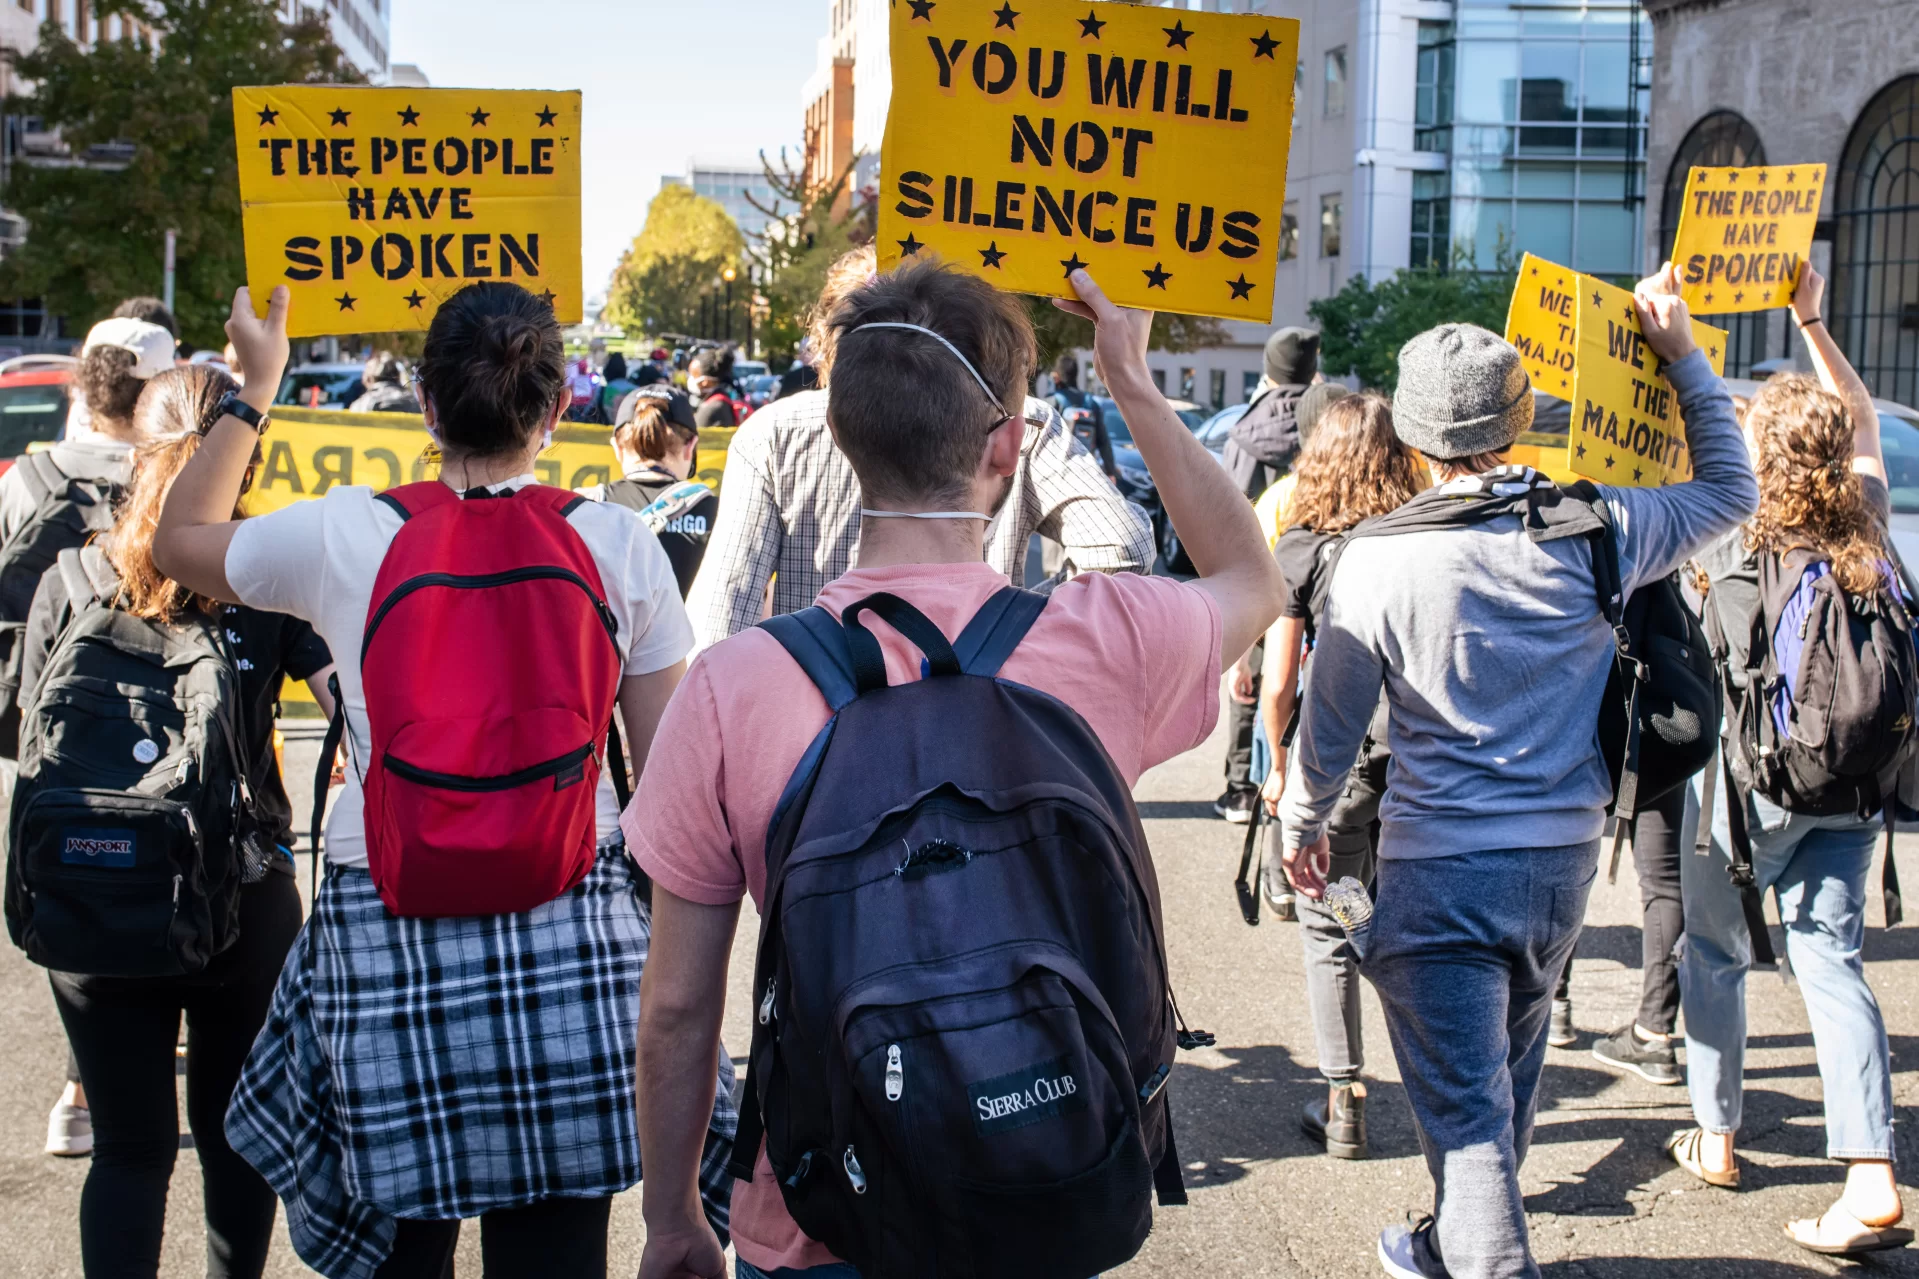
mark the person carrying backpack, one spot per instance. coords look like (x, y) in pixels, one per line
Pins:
(963, 1024)
(1262, 444)
(1480, 619)
(1809, 736)
(657, 444)
(453, 1035)
(1083, 415)
(94, 864)
(1351, 468)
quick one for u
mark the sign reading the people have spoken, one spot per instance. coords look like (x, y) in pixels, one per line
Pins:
(1626, 428)
(1743, 234)
(376, 205)
(1543, 324)
(1028, 138)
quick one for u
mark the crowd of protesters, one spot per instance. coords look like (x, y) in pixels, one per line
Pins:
(506, 1003)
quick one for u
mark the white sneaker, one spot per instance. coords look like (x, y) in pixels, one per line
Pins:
(1397, 1254)
(69, 1131)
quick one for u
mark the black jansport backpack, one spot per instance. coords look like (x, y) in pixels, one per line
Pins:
(66, 513)
(132, 827)
(965, 1028)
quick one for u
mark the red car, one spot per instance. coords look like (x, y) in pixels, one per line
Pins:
(33, 402)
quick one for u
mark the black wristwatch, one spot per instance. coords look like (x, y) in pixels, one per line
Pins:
(234, 406)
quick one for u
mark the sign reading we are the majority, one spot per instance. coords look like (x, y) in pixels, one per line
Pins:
(376, 205)
(1542, 323)
(1626, 426)
(1029, 138)
(1743, 234)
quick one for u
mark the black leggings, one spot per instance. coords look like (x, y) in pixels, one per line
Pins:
(551, 1237)
(123, 1032)
(1655, 855)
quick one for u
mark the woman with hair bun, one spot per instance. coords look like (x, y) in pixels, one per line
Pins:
(455, 1035)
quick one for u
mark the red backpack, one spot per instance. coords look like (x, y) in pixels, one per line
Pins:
(491, 668)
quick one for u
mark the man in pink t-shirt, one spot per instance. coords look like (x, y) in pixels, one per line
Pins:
(915, 408)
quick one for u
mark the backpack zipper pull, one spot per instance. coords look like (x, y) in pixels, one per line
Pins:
(766, 1005)
(801, 1173)
(895, 1073)
(853, 1173)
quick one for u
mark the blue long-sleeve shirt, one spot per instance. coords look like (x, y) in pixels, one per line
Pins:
(1494, 657)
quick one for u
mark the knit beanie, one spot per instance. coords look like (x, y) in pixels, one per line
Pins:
(1318, 398)
(1292, 357)
(1462, 391)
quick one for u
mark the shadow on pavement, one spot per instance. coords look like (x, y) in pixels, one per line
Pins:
(1688, 1268)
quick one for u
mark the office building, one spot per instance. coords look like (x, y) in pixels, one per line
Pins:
(360, 27)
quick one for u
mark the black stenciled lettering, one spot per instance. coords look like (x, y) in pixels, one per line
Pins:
(332, 464)
(474, 251)
(359, 203)
(1139, 221)
(916, 200)
(994, 83)
(385, 151)
(305, 263)
(1035, 66)
(1239, 234)
(393, 256)
(460, 204)
(506, 159)
(341, 153)
(312, 157)
(280, 468)
(1113, 82)
(413, 156)
(276, 149)
(1135, 139)
(433, 253)
(1091, 139)
(1160, 71)
(454, 167)
(1088, 209)
(1006, 206)
(347, 250)
(396, 206)
(484, 151)
(1039, 142)
(389, 459)
(948, 58)
(543, 156)
(528, 258)
(1188, 239)
(947, 204)
(1060, 210)
(428, 206)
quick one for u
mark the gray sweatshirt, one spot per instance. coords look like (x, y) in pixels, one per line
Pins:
(1494, 658)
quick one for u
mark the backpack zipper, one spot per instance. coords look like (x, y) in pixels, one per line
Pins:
(895, 1073)
(482, 581)
(506, 781)
(766, 1005)
(853, 1172)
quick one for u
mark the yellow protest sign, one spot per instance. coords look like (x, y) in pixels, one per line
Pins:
(1025, 142)
(1626, 428)
(1542, 323)
(376, 205)
(1743, 234)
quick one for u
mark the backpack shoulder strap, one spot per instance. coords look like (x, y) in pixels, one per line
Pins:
(1608, 582)
(79, 584)
(42, 475)
(997, 629)
(410, 500)
(818, 643)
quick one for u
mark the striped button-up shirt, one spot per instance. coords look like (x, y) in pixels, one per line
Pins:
(790, 505)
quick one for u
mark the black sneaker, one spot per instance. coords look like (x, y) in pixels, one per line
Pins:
(1560, 1032)
(1343, 1131)
(1625, 1050)
(1236, 805)
(1280, 897)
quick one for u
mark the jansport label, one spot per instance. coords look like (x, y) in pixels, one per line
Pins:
(110, 848)
(1037, 1093)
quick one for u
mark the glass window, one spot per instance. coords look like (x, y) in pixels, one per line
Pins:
(1186, 378)
(1607, 87)
(1433, 91)
(1159, 380)
(1548, 81)
(1608, 244)
(1602, 181)
(1543, 227)
(1543, 179)
(1335, 82)
(1331, 214)
(1218, 379)
(1248, 386)
(1289, 232)
(1488, 81)
(1487, 18)
(1483, 227)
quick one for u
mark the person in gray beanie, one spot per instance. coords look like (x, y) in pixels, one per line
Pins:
(1493, 657)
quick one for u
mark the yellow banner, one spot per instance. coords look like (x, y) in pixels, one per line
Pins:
(376, 205)
(1743, 234)
(1026, 142)
(1626, 427)
(1543, 324)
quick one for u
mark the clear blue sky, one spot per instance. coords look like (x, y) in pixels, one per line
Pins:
(664, 80)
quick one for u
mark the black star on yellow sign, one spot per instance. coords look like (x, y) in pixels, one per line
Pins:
(1762, 175)
(1073, 264)
(346, 301)
(547, 116)
(991, 255)
(1176, 35)
(549, 298)
(1637, 474)
(910, 246)
(1609, 461)
(1792, 175)
(1732, 176)
(339, 117)
(1580, 451)
(1157, 277)
(1599, 299)
(1264, 44)
(1242, 287)
(409, 116)
(480, 117)
(1005, 13)
(1091, 25)
(415, 299)
(1713, 351)
(921, 9)
(268, 115)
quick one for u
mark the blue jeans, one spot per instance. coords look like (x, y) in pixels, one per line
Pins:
(1464, 954)
(1819, 867)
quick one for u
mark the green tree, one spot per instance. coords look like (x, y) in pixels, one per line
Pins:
(97, 235)
(1057, 331)
(676, 258)
(810, 231)
(1363, 326)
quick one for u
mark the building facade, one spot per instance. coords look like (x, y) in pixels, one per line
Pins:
(362, 29)
(737, 188)
(1791, 82)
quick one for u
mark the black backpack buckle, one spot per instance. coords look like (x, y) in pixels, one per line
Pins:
(1191, 1039)
(1742, 876)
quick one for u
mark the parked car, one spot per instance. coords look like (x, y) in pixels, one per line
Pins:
(34, 398)
(759, 390)
(745, 371)
(321, 386)
(1136, 482)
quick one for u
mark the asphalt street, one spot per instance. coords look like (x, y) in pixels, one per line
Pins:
(1604, 1201)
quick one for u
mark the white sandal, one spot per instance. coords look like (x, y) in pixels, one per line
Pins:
(1862, 1239)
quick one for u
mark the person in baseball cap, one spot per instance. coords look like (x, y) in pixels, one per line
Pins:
(656, 437)
(150, 345)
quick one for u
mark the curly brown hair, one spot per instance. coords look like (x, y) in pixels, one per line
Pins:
(1353, 467)
(1809, 495)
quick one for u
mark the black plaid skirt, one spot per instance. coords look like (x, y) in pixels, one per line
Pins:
(443, 1068)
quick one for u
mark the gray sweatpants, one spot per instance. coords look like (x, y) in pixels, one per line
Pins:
(1464, 953)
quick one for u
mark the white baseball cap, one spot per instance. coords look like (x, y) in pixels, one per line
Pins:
(152, 346)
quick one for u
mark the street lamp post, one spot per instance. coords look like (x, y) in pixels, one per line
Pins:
(729, 275)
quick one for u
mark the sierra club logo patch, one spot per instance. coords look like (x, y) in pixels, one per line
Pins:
(114, 848)
(1030, 1096)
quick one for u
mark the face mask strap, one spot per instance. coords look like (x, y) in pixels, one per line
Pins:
(1004, 416)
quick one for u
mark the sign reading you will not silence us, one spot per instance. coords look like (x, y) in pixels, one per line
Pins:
(374, 206)
(1626, 426)
(1743, 234)
(1028, 138)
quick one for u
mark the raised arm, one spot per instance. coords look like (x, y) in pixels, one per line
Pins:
(197, 524)
(1836, 373)
(1212, 518)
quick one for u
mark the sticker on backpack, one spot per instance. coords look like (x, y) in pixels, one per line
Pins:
(146, 750)
(111, 848)
(1030, 1096)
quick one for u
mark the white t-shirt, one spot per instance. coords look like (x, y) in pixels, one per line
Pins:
(318, 561)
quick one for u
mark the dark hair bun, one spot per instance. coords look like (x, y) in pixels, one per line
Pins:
(494, 367)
